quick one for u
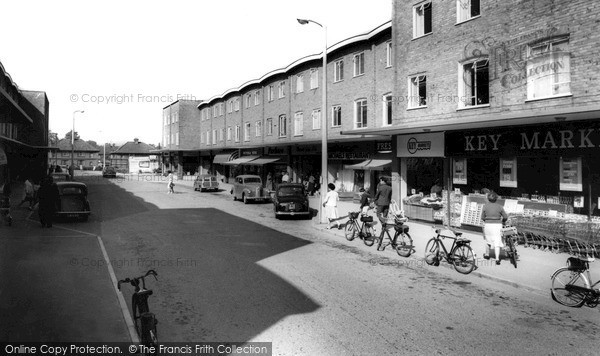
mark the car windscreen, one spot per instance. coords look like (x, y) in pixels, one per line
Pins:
(57, 177)
(72, 191)
(290, 191)
(252, 180)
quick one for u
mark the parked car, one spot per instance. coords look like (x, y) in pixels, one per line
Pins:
(249, 187)
(206, 182)
(73, 201)
(60, 176)
(291, 199)
(109, 172)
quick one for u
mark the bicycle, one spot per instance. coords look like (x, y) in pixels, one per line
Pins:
(364, 230)
(509, 235)
(403, 246)
(572, 285)
(461, 255)
(145, 321)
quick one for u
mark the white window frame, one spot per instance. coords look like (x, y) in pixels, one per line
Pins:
(336, 114)
(316, 119)
(258, 129)
(359, 64)
(281, 90)
(361, 113)
(269, 127)
(229, 130)
(214, 136)
(465, 10)
(236, 104)
(465, 98)
(388, 54)
(299, 83)
(248, 100)
(257, 98)
(230, 106)
(299, 124)
(208, 138)
(176, 138)
(338, 71)
(387, 109)
(415, 84)
(314, 78)
(282, 128)
(214, 111)
(237, 133)
(557, 80)
(420, 19)
(221, 130)
(270, 93)
(247, 128)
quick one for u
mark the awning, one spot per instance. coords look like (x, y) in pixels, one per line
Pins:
(262, 161)
(240, 160)
(371, 164)
(222, 158)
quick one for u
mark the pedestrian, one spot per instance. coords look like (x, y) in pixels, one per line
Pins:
(383, 197)
(330, 205)
(493, 217)
(49, 198)
(285, 178)
(6, 191)
(170, 183)
(365, 200)
(311, 185)
(72, 171)
(29, 194)
(269, 181)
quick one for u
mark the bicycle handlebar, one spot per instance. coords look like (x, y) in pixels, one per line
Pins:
(135, 281)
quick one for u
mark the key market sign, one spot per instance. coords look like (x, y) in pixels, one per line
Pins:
(551, 139)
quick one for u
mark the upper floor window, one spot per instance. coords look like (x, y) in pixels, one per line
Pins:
(282, 126)
(314, 78)
(258, 132)
(247, 127)
(388, 54)
(548, 69)
(269, 127)
(417, 91)
(298, 124)
(257, 97)
(270, 93)
(359, 64)
(221, 109)
(229, 133)
(214, 111)
(336, 115)
(176, 114)
(299, 83)
(360, 113)
(236, 104)
(248, 100)
(422, 19)
(466, 10)
(338, 70)
(281, 89)
(221, 134)
(207, 138)
(237, 133)
(214, 137)
(387, 109)
(474, 84)
(316, 119)
(230, 109)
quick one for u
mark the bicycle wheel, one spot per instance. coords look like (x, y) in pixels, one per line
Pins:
(432, 251)
(149, 334)
(512, 252)
(463, 259)
(567, 287)
(350, 230)
(368, 236)
(404, 244)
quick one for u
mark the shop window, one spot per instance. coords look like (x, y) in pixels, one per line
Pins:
(570, 174)
(548, 69)
(299, 83)
(360, 113)
(387, 109)
(359, 64)
(474, 84)
(336, 116)
(508, 172)
(298, 124)
(422, 20)
(417, 91)
(338, 72)
(459, 171)
(466, 10)
(316, 119)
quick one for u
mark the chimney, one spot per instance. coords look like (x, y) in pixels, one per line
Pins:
(135, 140)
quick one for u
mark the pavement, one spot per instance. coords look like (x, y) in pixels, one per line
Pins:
(39, 289)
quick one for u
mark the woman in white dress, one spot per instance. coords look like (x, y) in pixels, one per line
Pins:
(330, 205)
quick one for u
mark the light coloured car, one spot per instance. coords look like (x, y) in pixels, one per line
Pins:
(206, 182)
(249, 188)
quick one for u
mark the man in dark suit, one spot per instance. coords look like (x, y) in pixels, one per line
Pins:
(383, 197)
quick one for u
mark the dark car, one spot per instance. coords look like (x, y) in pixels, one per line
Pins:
(291, 199)
(206, 182)
(109, 172)
(73, 201)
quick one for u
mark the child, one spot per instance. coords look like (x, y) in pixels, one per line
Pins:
(330, 205)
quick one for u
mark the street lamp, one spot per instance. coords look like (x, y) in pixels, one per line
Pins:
(324, 171)
(72, 168)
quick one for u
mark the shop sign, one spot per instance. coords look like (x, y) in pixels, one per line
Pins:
(570, 174)
(551, 139)
(421, 145)
(349, 155)
(508, 172)
(252, 152)
(384, 147)
(277, 151)
(306, 150)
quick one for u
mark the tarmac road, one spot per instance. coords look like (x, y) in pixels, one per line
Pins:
(229, 272)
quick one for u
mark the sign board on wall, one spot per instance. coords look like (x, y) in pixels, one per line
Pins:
(421, 145)
(459, 169)
(570, 174)
(508, 172)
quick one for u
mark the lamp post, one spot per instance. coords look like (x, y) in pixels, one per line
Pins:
(324, 171)
(72, 168)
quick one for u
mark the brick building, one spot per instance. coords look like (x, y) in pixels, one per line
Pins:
(181, 136)
(84, 154)
(497, 94)
(134, 151)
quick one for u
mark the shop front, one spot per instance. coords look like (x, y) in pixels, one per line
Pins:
(306, 162)
(219, 166)
(368, 172)
(340, 158)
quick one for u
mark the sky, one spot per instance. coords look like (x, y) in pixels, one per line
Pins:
(121, 62)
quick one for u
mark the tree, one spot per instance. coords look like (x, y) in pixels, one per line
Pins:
(52, 138)
(68, 136)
